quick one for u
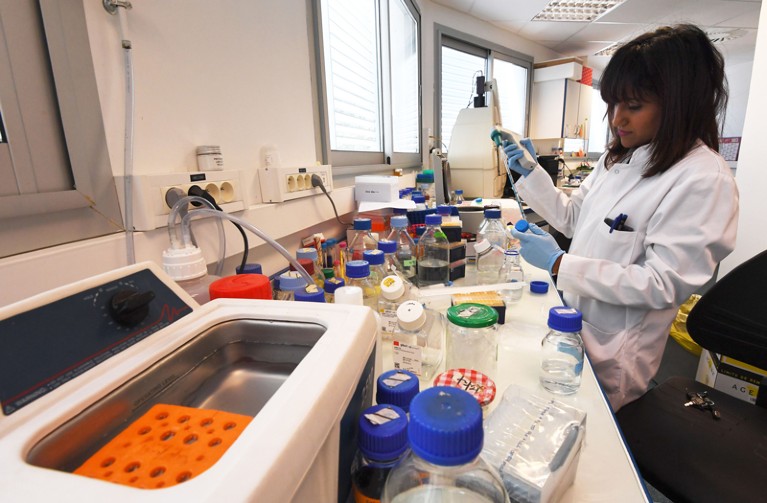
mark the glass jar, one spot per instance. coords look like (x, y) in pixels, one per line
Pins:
(474, 382)
(562, 352)
(444, 464)
(472, 338)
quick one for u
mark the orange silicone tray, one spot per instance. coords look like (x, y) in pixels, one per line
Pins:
(168, 445)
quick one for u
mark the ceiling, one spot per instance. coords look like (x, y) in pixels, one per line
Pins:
(632, 17)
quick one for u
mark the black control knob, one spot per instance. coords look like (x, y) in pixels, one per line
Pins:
(129, 306)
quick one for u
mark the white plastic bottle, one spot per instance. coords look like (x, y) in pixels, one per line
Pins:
(433, 254)
(186, 266)
(492, 229)
(417, 340)
(444, 465)
(562, 351)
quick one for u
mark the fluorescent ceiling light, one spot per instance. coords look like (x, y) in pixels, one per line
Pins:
(575, 10)
(609, 50)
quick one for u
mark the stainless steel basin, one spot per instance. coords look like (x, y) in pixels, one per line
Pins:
(235, 366)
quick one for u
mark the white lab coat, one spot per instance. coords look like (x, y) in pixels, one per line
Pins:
(629, 284)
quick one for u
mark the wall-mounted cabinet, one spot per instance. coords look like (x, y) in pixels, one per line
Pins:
(561, 105)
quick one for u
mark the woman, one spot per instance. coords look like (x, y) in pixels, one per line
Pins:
(658, 213)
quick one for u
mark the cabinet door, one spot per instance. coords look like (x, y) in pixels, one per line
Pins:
(547, 111)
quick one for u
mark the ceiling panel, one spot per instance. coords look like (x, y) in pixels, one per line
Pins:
(550, 30)
(607, 32)
(504, 10)
(750, 20)
(708, 12)
(646, 11)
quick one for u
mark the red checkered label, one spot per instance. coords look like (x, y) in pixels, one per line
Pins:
(476, 383)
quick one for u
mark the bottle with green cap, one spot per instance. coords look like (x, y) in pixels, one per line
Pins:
(472, 338)
(444, 464)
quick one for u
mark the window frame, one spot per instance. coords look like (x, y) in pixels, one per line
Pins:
(91, 208)
(346, 163)
(444, 35)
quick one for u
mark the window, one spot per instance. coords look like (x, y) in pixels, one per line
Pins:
(460, 59)
(369, 85)
(57, 187)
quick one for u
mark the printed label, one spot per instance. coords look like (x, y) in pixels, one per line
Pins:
(407, 357)
(388, 320)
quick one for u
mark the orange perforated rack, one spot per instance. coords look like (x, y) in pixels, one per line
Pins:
(168, 445)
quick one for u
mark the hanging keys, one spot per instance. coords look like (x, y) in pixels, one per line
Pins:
(701, 401)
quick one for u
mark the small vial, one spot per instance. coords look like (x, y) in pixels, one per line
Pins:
(562, 352)
(459, 197)
(209, 158)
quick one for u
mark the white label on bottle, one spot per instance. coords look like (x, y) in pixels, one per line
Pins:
(388, 320)
(407, 357)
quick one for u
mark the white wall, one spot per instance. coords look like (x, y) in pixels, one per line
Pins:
(752, 226)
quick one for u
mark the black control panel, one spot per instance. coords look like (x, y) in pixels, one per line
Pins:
(43, 348)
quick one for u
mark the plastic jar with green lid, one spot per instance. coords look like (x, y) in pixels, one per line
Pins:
(472, 341)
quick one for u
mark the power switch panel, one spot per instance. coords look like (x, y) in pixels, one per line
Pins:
(280, 184)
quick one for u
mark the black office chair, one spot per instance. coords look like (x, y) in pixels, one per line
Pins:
(685, 452)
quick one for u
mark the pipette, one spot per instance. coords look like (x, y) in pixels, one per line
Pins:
(498, 134)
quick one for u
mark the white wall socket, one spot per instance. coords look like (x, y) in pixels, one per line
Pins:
(150, 211)
(280, 184)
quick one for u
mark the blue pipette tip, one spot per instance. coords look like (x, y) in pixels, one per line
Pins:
(522, 225)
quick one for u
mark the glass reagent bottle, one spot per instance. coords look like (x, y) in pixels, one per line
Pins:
(562, 351)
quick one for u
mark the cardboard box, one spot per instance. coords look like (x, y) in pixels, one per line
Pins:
(380, 189)
(741, 380)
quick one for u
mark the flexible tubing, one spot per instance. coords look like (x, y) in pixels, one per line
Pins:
(185, 223)
(130, 102)
(186, 237)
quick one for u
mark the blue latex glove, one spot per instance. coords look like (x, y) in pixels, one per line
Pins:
(514, 153)
(539, 248)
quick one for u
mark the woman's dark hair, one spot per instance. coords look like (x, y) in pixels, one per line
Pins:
(680, 68)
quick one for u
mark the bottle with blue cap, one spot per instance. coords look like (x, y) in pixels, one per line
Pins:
(362, 240)
(358, 274)
(382, 444)
(492, 229)
(405, 246)
(375, 258)
(444, 463)
(562, 351)
(311, 293)
(459, 197)
(425, 183)
(331, 285)
(397, 387)
(433, 252)
(288, 283)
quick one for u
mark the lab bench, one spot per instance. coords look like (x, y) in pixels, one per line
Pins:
(606, 471)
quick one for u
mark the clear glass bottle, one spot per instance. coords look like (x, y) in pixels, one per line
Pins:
(562, 351)
(490, 261)
(472, 341)
(331, 285)
(420, 202)
(433, 254)
(362, 240)
(391, 265)
(425, 183)
(458, 197)
(446, 212)
(394, 292)
(376, 260)
(493, 229)
(289, 282)
(381, 445)
(310, 253)
(358, 274)
(444, 464)
(417, 341)
(405, 246)
(512, 267)
(311, 268)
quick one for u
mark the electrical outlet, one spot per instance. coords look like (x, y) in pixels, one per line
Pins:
(150, 209)
(280, 184)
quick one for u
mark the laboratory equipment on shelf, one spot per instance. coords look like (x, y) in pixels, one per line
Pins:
(472, 338)
(382, 444)
(406, 249)
(417, 341)
(562, 351)
(444, 464)
(433, 263)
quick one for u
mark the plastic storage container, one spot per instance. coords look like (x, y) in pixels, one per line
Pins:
(562, 352)
(472, 341)
(490, 261)
(397, 387)
(186, 266)
(417, 342)
(382, 444)
(492, 229)
(433, 254)
(444, 465)
(405, 246)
